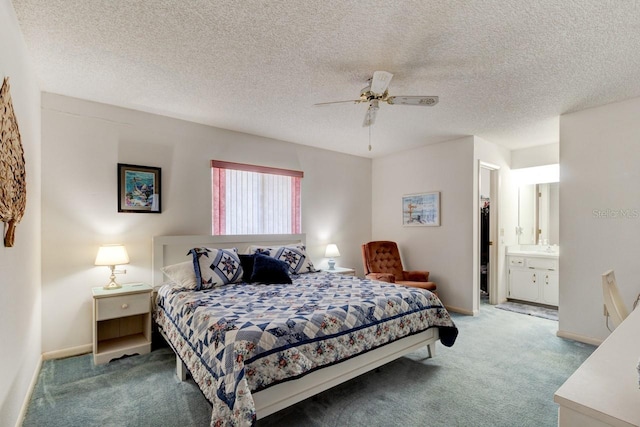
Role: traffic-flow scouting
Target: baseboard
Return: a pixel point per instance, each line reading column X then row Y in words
column 58, row 354
column 460, row 310
column 27, row 399
column 579, row 338
column 67, row 352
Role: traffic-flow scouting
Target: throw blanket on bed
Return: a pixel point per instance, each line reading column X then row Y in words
column 245, row 337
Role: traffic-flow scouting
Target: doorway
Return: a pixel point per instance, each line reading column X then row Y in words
column 487, row 234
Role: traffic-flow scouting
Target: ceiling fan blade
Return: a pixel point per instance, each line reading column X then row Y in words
column 380, row 82
column 353, row 101
column 425, row 101
column 370, row 117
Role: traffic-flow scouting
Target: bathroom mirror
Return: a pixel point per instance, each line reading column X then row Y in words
column 538, row 214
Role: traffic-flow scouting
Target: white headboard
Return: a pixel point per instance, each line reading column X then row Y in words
column 169, row 250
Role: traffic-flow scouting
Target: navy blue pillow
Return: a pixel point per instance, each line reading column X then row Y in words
column 247, row 267
column 269, row 270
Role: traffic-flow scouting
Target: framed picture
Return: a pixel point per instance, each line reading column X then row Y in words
column 138, row 189
column 421, row 209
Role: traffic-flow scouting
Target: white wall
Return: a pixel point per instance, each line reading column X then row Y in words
column 445, row 251
column 554, row 213
column 84, row 141
column 450, row 252
column 485, row 183
column 599, row 178
column 20, row 265
column 547, row 154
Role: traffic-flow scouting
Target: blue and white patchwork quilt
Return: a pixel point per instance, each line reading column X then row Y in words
column 244, row 337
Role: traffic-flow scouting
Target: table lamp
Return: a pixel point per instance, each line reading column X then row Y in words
column 332, row 252
column 112, row 255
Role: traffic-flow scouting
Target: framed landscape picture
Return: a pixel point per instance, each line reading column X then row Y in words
column 421, row 209
column 138, row 188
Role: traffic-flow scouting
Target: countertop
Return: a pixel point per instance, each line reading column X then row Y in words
column 538, row 254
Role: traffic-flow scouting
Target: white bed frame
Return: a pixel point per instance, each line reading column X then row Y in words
column 169, row 250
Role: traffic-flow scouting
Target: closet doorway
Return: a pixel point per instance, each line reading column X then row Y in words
column 487, row 233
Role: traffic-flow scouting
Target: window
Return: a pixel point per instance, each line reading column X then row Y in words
column 250, row 199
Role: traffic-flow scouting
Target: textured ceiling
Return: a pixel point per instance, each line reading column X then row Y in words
column 504, row 70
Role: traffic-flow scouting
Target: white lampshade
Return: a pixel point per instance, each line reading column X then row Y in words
column 112, row 255
column 332, row 251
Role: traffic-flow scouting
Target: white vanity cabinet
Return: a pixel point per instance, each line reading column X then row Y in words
column 533, row 278
column 550, row 288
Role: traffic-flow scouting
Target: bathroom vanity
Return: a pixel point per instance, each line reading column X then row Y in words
column 533, row 273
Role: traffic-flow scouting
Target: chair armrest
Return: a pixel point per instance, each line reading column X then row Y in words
column 416, row 275
column 383, row 277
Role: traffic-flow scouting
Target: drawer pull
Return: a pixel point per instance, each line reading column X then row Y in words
column 125, row 306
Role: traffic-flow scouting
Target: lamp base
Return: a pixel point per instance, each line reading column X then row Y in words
column 111, row 286
column 112, row 281
column 332, row 264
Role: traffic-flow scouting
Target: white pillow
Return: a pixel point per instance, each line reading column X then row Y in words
column 181, row 274
column 294, row 255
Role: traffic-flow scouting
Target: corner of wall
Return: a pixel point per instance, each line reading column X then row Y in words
column 27, row 399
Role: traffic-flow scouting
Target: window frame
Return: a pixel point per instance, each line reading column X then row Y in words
column 218, row 199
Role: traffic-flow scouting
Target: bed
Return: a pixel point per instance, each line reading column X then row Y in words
column 254, row 348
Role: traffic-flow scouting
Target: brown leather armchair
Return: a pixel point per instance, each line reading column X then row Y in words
column 382, row 262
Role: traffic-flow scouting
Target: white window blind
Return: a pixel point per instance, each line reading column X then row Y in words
column 249, row 199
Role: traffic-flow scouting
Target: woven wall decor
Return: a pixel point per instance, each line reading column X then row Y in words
column 13, row 189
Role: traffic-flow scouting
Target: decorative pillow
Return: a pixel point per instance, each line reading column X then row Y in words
column 294, row 255
column 182, row 275
column 247, row 266
column 216, row 267
column 269, row 270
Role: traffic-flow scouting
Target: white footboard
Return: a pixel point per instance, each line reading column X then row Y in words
column 285, row 394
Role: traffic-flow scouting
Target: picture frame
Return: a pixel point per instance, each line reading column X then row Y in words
column 421, row 209
column 139, row 189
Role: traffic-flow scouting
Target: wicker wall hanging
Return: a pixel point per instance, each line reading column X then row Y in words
column 13, row 189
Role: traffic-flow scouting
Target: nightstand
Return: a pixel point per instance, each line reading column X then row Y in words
column 121, row 322
column 342, row 270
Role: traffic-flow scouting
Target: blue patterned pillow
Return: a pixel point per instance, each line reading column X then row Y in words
column 216, row 267
column 294, row 255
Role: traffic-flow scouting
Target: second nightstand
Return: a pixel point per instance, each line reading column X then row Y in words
column 342, row 270
column 121, row 322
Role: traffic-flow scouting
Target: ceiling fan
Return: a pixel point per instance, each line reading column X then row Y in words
column 377, row 91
